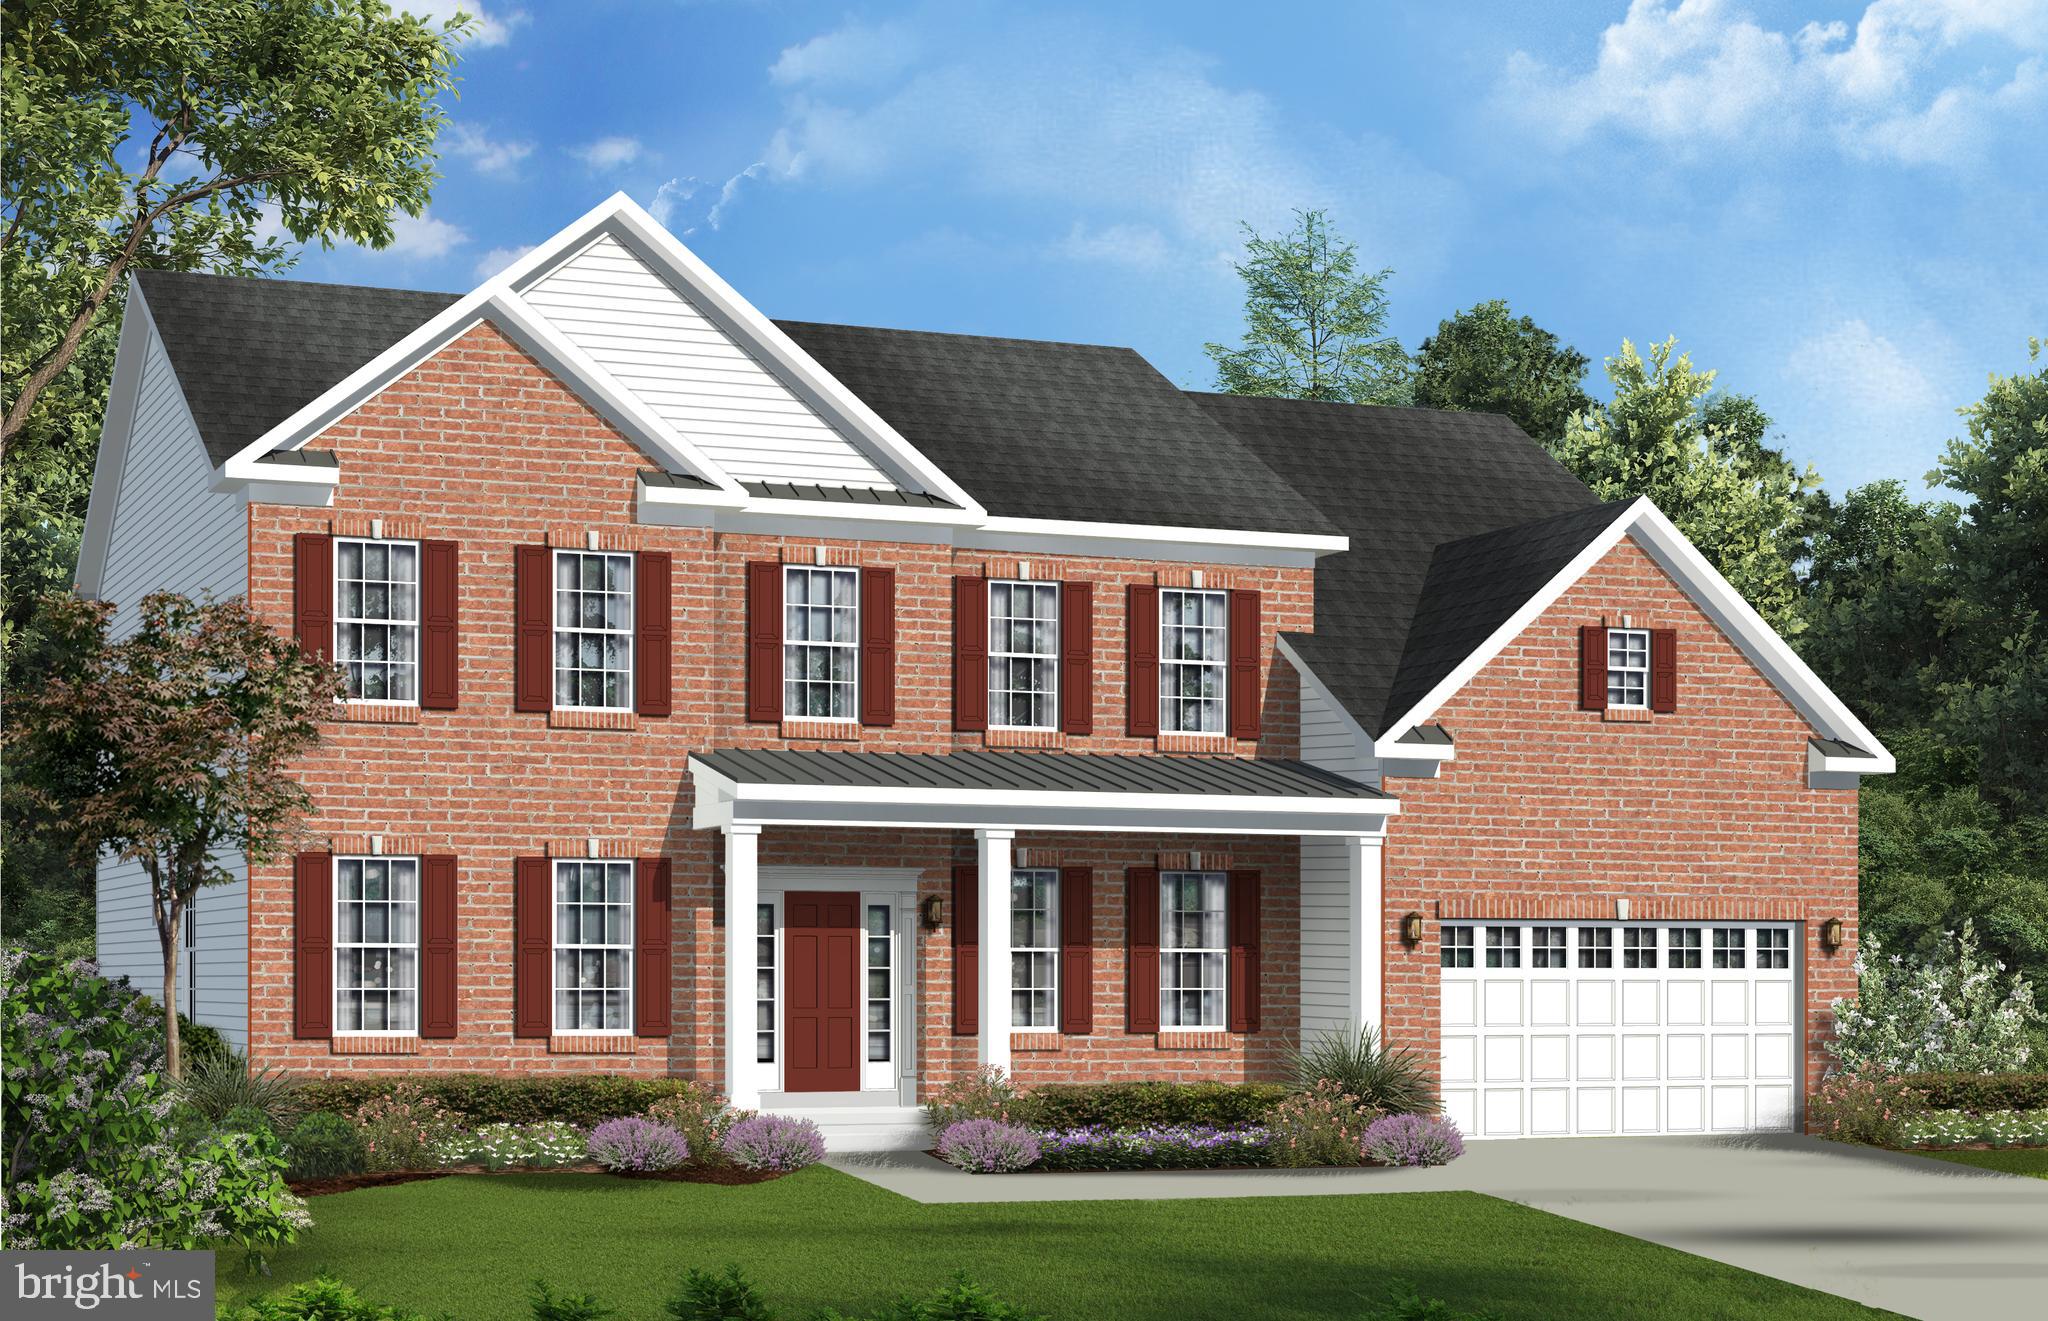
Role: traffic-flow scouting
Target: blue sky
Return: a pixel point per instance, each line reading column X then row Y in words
column 1840, row 207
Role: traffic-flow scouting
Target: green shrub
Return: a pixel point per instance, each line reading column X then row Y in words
column 324, row 1146
column 551, row 1306
column 1147, row 1104
column 728, row 1297
column 702, row 1118
column 221, row 1085
column 245, row 1119
column 1323, row 1125
column 200, row 1043
column 962, row 1300
column 1389, row 1079
column 984, row 1094
column 1867, row 1108
column 1404, row 1303
column 583, row 1099
column 404, row 1129
column 322, row 1299
column 1981, row 1091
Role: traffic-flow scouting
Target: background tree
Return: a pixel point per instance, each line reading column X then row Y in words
column 1705, row 463
column 171, row 747
column 1487, row 360
column 1315, row 328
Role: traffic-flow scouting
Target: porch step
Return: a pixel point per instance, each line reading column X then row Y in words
column 864, row 1128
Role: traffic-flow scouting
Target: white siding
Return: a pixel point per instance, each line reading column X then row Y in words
column 172, row 532
column 1328, row 741
column 695, row 376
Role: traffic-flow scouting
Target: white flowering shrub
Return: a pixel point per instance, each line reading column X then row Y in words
column 502, row 1146
column 1958, row 1128
column 1958, row 1014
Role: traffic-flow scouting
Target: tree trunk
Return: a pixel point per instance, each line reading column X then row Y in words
column 173, row 1061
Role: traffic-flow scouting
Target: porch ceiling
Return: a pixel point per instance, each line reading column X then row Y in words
column 1032, row 790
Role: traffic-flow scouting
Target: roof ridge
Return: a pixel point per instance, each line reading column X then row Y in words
column 786, row 322
column 223, row 278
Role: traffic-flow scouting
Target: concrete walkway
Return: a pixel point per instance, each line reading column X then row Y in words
column 1923, row 1237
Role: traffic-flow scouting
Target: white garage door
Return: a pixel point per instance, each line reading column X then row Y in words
column 1560, row 1029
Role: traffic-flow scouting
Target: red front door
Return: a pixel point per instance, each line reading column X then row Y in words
column 821, row 985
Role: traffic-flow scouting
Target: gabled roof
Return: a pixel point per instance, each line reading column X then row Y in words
column 1400, row 482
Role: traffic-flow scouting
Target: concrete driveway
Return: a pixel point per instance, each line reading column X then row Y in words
column 1913, row 1235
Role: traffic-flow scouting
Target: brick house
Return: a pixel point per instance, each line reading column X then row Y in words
column 1019, row 708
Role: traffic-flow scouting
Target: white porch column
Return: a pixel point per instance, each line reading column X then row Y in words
column 992, row 865
column 742, row 895
column 1366, row 930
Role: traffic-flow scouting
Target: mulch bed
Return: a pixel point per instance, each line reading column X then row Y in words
column 728, row 1175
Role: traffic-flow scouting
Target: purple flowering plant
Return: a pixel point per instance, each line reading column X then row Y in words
column 635, row 1145
column 1156, row 1147
column 775, row 1142
column 988, row 1146
column 1412, row 1140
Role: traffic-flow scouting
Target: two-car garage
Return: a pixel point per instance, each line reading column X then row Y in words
column 1557, row 1028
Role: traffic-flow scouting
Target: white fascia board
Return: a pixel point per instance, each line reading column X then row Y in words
column 117, row 423
column 1820, row 763
column 1146, row 532
column 1391, row 748
column 1328, row 698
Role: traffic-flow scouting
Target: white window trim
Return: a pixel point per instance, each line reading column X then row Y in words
column 630, row 632
column 1052, row 658
column 1613, row 669
column 418, row 610
column 629, row 948
column 1223, row 951
column 853, row 648
column 338, row 944
column 1221, row 666
column 1052, row 926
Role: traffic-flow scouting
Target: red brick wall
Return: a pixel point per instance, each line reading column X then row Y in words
column 483, row 447
column 1551, row 811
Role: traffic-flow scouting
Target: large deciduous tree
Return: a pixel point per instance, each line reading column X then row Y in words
column 1315, row 327
column 172, row 747
column 1488, row 360
column 1705, row 462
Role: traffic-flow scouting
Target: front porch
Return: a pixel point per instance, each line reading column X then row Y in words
column 1059, row 917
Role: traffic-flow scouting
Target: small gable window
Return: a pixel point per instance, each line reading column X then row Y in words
column 1628, row 667
column 377, row 619
column 594, row 630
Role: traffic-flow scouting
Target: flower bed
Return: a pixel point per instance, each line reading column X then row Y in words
column 1164, row 1147
column 1992, row 1128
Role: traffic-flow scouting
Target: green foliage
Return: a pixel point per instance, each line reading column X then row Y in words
column 222, row 1084
column 1954, row 1013
column 1705, row 464
column 1405, row 1303
column 202, row 1042
column 1314, row 327
column 1320, row 1125
column 1981, row 1091
column 962, row 1300
column 984, row 1094
column 404, row 1128
column 1871, row 591
column 583, row 1099
column 728, row 1297
column 322, row 1299
column 1388, row 1079
column 551, row 1306
column 1486, row 360
column 702, row 1117
column 1867, row 1107
column 1145, row 1104
column 324, row 1146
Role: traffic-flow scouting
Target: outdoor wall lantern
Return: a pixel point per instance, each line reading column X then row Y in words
column 1831, row 934
column 1411, row 928
column 934, row 912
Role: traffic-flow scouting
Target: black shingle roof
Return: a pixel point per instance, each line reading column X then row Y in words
column 1079, row 772
column 1401, row 482
column 250, row 353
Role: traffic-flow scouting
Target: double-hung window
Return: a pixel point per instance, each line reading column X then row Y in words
column 1193, row 654
column 1023, row 654
column 376, row 944
column 1628, row 667
column 1034, row 948
column 1192, row 954
column 377, row 618
column 593, row 945
column 594, row 629
column 820, row 643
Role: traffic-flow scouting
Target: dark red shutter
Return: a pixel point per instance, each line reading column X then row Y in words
column 1077, row 950
column 313, row 945
column 653, row 626
column 970, row 654
column 1663, row 669
column 533, row 939
column 533, row 634
column 1141, row 949
column 1141, row 680
column 437, row 946
column 440, row 617
column 1593, row 668
column 878, row 646
column 313, row 594
column 651, row 934
column 1077, row 658
column 966, row 952
column 764, row 641
column 1246, row 651
column 1244, row 951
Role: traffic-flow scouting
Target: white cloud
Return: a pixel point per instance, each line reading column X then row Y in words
column 853, row 56
column 417, row 238
column 1858, row 372
column 1918, row 81
column 497, row 259
column 670, row 196
column 489, row 155
column 487, row 30
column 608, row 153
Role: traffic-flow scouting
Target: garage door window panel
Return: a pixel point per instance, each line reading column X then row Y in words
column 1638, row 947
column 1457, row 947
column 1596, row 947
column 1503, row 947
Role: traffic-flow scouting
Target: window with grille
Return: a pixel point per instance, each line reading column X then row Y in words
column 1638, row 947
column 1034, row 948
column 1773, row 948
column 881, row 960
column 1193, row 652
column 593, row 946
column 1730, row 947
column 1628, row 667
column 377, row 619
column 594, row 630
column 764, row 983
column 1684, row 946
column 376, row 944
column 1457, row 947
column 1192, row 952
column 820, row 643
column 1596, row 947
column 1503, row 947
column 1023, row 654
column 1547, row 947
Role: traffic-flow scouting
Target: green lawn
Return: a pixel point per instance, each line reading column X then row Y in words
column 470, row 1245
column 2012, row 1160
